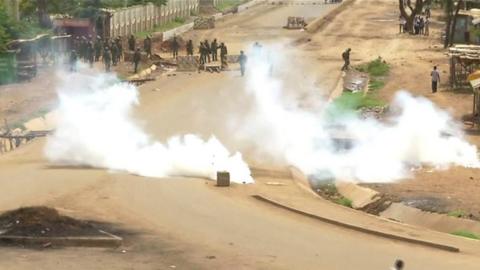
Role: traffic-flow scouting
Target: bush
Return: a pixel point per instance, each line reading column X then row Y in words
column 344, row 201
column 375, row 68
column 456, row 213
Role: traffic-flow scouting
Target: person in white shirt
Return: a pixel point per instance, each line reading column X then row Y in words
column 435, row 79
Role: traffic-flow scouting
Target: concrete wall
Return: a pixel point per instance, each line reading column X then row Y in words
column 136, row 19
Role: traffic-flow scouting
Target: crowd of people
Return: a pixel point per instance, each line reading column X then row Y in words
column 110, row 51
column 420, row 24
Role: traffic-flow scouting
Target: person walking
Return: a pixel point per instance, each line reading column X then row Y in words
column 115, row 53
column 243, row 62
column 119, row 43
column 346, row 59
column 427, row 27
column 435, row 79
column 136, row 59
column 98, row 48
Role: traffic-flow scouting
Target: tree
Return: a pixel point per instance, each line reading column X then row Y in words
column 451, row 23
column 413, row 11
column 9, row 29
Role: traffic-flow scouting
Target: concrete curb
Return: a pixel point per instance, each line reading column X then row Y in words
column 109, row 240
column 357, row 228
column 322, row 21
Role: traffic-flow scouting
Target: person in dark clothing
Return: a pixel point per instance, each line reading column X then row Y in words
column 90, row 53
column 214, row 48
column 207, row 49
column 114, row 50
column 83, row 48
column 189, row 47
column 398, row 265
column 118, row 42
column 203, row 57
column 346, row 59
column 131, row 43
column 435, row 79
column 147, row 46
column 242, row 59
column 73, row 60
column 223, row 54
column 175, row 47
column 98, row 48
column 136, row 59
column 107, row 58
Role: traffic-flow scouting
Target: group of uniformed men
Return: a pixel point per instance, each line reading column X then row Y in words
column 208, row 51
column 110, row 51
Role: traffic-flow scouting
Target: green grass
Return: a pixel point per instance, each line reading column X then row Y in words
column 466, row 234
column 375, row 84
column 344, row 201
column 349, row 101
column 456, row 213
column 228, row 4
column 375, row 68
column 162, row 28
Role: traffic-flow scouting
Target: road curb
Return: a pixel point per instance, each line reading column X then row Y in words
column 322, row 21
column 109, row 240
column 358, row 228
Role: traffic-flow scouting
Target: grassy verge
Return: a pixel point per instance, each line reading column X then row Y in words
column 456, row 213
column 466, row 234
column 328, row 190
column 350, row 102
column 228, row 4
column 344, row 201
column 162, row 28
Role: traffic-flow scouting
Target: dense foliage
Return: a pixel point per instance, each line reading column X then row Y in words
column 9, row 29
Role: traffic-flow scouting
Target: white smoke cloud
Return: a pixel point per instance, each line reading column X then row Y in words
column 95, row 129
column 418, row 134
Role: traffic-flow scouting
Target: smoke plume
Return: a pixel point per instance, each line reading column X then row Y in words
column 95, row 129
column 416, row 134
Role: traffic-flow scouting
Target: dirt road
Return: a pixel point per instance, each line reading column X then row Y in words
column 187, row 223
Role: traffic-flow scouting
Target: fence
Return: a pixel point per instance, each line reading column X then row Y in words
column 136, row 19
column 127, row 21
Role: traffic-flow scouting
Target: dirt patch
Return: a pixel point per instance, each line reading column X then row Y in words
column 43, row 222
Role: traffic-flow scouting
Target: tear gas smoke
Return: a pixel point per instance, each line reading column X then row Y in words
column 95, row 129
column 418, row 133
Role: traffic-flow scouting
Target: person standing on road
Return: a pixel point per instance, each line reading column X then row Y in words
column 136, row 59
column 427, row 27
column 346, row 59
column 399, row 264
column 214, row 49
column 131, row 43
column 90, row 53
column 98, row 48
column 207, row 50
column 189, row 47
column 435, row 79
column 175, row 47
column 223, row 54
column 243, row 61
column 107, row 59
column 147, row 46
column 73, row 61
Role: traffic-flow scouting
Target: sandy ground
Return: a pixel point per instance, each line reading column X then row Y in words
column 189, row 224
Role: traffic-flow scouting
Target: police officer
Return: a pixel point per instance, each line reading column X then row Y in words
column 207, row 49
column 90, row 53
column 73, row 60
column 131, row 43
column 214, row 48
column 175, row 47
column 114, row 49
column 147, row 46
column 107, row 58
column 136, row 59
column 98, row 48
column 346, row 59
column 189, row 47
column 223, row 54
